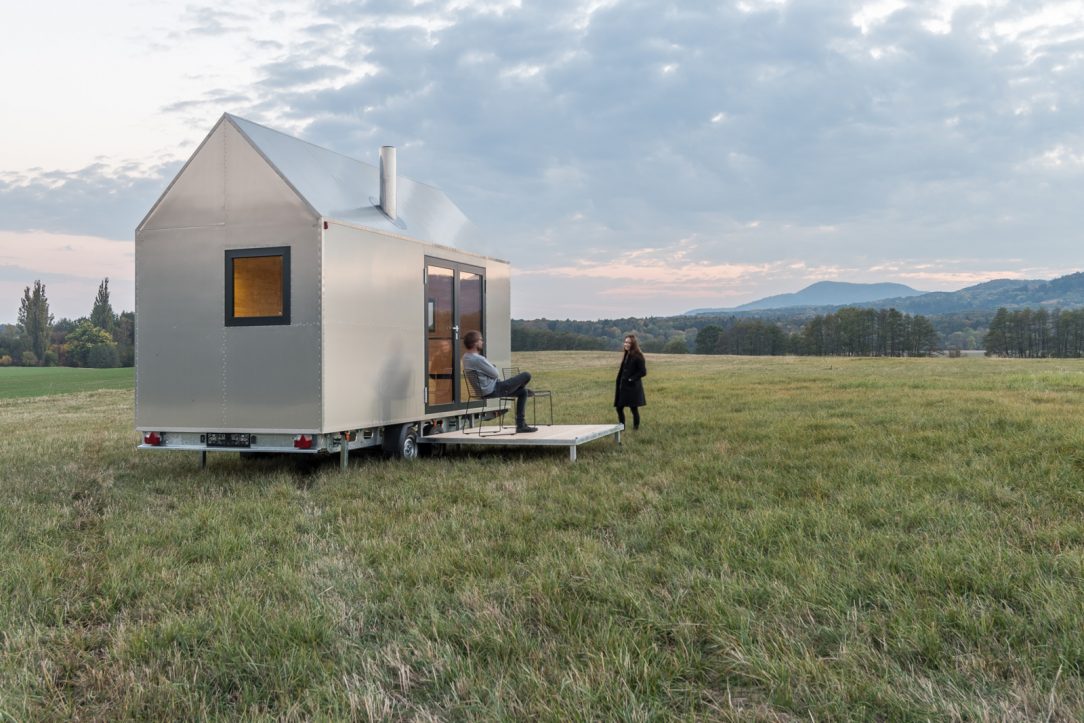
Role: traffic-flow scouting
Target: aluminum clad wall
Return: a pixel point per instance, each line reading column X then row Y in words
column 197, row 196
column 498, row 313
column 374, row 361
column 193, row 372
column 374, row 325
column 179, row 330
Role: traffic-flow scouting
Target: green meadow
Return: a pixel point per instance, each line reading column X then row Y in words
column 51, row 381
column 785, row 539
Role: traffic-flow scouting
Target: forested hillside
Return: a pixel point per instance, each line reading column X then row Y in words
column 848, row 331
column 823, row 293
column 1064, row 292
column 959, row 320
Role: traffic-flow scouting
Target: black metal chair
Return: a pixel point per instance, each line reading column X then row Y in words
column 474, row 393
column 536, row 394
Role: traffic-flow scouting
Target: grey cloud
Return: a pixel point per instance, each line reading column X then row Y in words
column 352, row 9
column 207, row 20
column 27, row 276
column 216, row 98
column 268, row 45
column 94, row 201
column 290, row 74
column 527, row 121
column 321, row 30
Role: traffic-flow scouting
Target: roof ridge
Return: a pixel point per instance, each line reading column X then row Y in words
column 236, row 118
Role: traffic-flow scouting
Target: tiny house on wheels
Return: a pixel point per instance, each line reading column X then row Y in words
column 291, row 299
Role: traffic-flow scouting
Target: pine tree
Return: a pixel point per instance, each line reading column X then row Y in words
column 102, row 313
column 997, row 337
column 35, row 320
column 707, row 338
column 923, row 336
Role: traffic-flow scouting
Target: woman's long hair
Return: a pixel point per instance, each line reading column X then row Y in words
column 634, row 346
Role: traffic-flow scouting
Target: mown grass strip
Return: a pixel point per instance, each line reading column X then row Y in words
column 20, row 382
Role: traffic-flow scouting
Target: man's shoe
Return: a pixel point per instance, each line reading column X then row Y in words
column 524, row 429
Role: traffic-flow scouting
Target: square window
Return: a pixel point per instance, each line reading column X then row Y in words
column 258, row 286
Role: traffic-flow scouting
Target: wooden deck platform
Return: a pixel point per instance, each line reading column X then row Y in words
column 557, row 435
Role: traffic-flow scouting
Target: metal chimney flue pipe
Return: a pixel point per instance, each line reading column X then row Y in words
column 387, row 181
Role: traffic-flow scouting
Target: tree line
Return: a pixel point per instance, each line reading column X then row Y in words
column 104, row 339
column 868, row 332
column 1037, row 333
column 846, row 332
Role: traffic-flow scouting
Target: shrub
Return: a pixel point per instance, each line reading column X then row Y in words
column 89, row 346
column 102, row 356
column 676, row 345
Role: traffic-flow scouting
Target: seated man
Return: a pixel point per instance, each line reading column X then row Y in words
column 489, row 379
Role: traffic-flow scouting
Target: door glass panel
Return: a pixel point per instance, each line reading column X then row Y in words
column 470, row 310
column 440, row 346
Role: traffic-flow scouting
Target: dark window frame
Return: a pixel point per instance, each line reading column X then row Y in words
column 284, row 318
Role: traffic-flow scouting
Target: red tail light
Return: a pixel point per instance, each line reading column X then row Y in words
column 303, row 441
column 152, row 438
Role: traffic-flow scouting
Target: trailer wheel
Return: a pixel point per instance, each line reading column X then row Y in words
column 401, row 442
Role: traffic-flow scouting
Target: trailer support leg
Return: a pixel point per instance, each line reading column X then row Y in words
column 572, row 453
column 203, row 459
column 344, row 454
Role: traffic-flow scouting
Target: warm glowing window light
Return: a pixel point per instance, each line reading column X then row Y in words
column 257, row 287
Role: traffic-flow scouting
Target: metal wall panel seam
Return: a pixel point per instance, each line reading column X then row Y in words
column 226, row 243
column 320, row 321
column 135, row 324
column 225, row 386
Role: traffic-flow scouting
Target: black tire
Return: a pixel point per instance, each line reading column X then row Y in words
column 401, row 442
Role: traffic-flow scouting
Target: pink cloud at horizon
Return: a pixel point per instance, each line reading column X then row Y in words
column 71, row 266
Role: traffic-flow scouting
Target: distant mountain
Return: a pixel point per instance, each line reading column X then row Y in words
column 1061, row 293
column 824, row 293
column 1064, row 292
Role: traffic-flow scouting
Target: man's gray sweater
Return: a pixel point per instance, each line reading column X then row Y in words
column 487, row 373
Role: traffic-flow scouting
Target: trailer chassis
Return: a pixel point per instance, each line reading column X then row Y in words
column 398, row 441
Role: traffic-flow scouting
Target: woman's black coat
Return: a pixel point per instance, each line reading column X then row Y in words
column 630, row 390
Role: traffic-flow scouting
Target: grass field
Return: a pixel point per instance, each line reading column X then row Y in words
column 785, row 539
column 46, row 381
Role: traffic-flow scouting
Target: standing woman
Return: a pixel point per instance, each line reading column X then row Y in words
column 630, row 390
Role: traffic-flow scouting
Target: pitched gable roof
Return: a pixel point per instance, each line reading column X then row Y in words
column 345, row 189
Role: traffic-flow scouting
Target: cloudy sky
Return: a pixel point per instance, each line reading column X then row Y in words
column 629, row 157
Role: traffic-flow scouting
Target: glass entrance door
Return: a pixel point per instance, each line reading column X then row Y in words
column 454, row 305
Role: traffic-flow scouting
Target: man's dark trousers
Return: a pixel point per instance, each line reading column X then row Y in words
column 515, row 387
